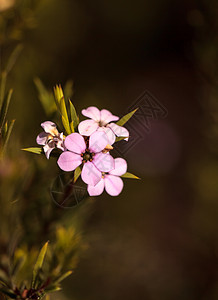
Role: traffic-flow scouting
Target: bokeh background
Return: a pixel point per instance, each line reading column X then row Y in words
column 158, row 239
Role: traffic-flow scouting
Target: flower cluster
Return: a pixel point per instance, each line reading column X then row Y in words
column 85, row 147
column 90, row 149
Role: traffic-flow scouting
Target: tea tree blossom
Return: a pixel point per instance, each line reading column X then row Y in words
column 86, row 145
column 111, row 181
column 101, row 121
column 50, row 138
column 89, row 153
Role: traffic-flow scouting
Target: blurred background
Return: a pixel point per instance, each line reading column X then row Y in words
column 158, row 239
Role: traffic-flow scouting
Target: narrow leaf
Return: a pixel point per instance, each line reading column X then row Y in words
column 68, row 89
column 129, row 175
column 65, row 119
column 46, row 97
column 8, row 134
column 120, row 138
column 35, row 150
column 2, row 87
column 18, row 265
column 4, row 130
column 58, row 94
column 39, row 263
column 53, row 288
column 74, row 117
column 126, row 118
column 66, row 125
column 4, row 109
column 77, row 173
column 13, row 58
column 62, row 277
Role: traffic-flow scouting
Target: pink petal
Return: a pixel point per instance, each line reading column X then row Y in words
column 113, row 185
column 106, row 117
column 42, row 138
column 75, row 143
column 97, row 189
column 87, row 127
column 98, row 141
column 47, row 149
column 104, row 162
column 92, row 112
column 90, row 174
column 69, row 161
column 119, row 130
column 120, row 167
column 50, row 127
column 110, row 134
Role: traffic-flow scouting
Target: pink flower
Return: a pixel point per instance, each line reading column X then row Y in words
column 94, row 161
column 100, row 121
column 111, row 181
column 50, row 138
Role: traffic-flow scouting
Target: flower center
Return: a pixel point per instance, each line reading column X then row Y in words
column 101, row 124
column 87, row 156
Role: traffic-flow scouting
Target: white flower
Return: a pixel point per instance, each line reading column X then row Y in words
column 50, row 138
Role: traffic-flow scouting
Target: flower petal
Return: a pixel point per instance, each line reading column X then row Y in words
column 69, row 161
column 120, row 167
column 106, row 117
column 104, row 162
column 42, row 138
column 97, row 189
column 75, row 142
column 90, row 174
column 47, row 149
column 92, row 112
column 119, row 130
column 87, row 127
column 110, row 134
column 60, row 142
column 98, row 141
column 50, row 127
column 113, row 185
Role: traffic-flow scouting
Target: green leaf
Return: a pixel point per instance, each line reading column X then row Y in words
column 4, row 108
column 13, row 58
column 61, row 105
column 74, row 117
column 9, row 66
column 4, row 130
column 2, row 87
column 7, row 136
column 64, row 115
column 68, row 89
column 129, row 175
column 38, row 264
column 18, row 265
column 46, row 97
column 120, row 138
column 35, row 150
column 62, row 277
column 66, row 125
column 77, row 173
column 126, row 118
column 58, row 94
column 52, row 288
